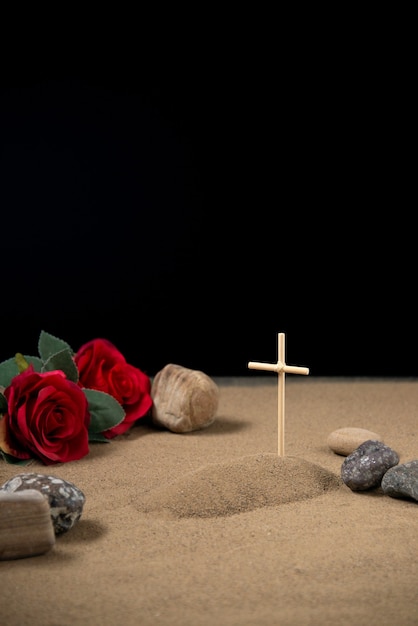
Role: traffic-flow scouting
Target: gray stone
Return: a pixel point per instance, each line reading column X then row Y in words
column 402, row 481
column 66, row 501
column 365, row 467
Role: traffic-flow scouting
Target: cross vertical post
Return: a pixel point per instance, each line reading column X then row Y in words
column 280, row 395
column 281, row 369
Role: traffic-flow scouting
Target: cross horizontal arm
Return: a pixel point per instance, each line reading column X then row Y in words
column 268, row 367
column 295, row 369
column 278, row 367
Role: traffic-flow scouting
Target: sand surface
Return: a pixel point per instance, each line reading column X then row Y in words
column 213, row 528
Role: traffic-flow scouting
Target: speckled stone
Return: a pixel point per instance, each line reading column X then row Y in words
column 365, row 467
column 402, row 481
column 345, row 440
column 66, row 501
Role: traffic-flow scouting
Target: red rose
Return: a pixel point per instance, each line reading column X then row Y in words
column 102, row 367
column 47, row 417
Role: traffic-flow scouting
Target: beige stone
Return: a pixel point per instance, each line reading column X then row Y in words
column 26, row 527
column 183, row 399
column 345, row 440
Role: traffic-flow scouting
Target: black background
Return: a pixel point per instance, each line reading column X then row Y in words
column 189, row 201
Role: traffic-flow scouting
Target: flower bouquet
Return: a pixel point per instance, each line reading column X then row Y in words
column 53, row 405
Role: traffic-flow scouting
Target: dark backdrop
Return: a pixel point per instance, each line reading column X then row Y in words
column 190, row 211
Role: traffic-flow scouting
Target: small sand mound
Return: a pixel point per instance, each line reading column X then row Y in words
column 241, row 485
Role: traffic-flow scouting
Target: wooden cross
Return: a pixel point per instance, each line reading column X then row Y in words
column 281, row 368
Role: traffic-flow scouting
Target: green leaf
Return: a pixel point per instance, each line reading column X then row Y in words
column 9, row 369
column 48, row 345
column 105, row 411
column 98, row 438
column 3, row 404
column 13, row 460
column 62, row 361
column 22, row 364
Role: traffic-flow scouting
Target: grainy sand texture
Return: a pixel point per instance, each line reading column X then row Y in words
column 213, row 528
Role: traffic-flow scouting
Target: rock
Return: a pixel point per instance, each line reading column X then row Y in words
column 402, row 481
column 365, row 467
column 183, row 399
column 66, row 501
column 26, row 527
column 345, row 440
